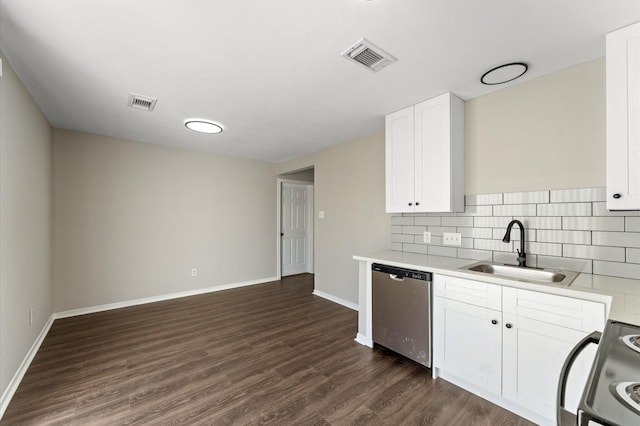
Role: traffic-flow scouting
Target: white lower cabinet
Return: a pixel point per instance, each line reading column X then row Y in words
column 512, row 354
column 468, row 344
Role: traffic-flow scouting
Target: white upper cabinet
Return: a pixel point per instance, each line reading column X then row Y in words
column 623, row 119
column 425, row 157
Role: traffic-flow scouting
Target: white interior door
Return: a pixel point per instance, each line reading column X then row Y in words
column 295, row 228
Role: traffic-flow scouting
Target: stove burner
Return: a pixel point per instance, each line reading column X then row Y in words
column 632, row 341
column 629, row 393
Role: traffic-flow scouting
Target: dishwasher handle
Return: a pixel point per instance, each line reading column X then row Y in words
column 396, row 278
column 564, row 372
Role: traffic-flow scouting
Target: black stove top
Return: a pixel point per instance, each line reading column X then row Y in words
column 612, row 395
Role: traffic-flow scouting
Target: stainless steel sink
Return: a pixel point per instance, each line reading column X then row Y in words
column 527, row 274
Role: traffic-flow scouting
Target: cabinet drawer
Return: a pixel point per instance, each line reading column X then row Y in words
column 568, row 312
column 468, row 291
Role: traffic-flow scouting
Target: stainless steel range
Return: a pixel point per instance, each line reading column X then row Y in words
column 612, row 393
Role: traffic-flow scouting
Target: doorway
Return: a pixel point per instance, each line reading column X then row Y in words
column 295, row 224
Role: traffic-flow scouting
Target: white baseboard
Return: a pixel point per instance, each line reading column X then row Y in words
column 337, row 300
column 364, row 340
column 22, row 369
column 160, row 298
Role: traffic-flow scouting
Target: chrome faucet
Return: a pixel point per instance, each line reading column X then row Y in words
column 522, row 256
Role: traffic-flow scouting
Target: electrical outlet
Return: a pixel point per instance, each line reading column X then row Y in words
column 426, row 237
column 30, row 316
column 194, row 272
column 452, row 239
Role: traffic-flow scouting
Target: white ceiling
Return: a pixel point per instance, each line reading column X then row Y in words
column 270, row 71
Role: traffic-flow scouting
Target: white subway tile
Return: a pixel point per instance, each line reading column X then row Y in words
column 614, row 254
column 402, row 238
column 514, row 210
column 401, row 220
column 633, row 255
column 441, row 214
column 632, row 224
column 593, row 223
column 428, row 221
column 542, row 222
column 442, row 251
column 617, row 239
column 483, row 199
column 615, row 269
column 526, row 197
column 600, row 209
column 415, row 248
column 491, row 222
column 466, row 243
column 440, row 230
column 576, row 265
column 396, row 246
column 498, row 234
column 413, row 229
column 576, row 195
column 396, row 229
column 567, row 237
column 436, row 240
column 564, row 209
column 477, row 211
column 419, row 239
column 476, row 233
column 475, row 254
column 457, row 221
column 495, row 245
column 548, row 249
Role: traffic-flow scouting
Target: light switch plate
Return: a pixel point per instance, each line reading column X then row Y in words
column 452, row 239
column 321, row 214
column 426, row 237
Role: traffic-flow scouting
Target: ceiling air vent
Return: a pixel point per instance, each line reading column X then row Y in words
column 142, row 102
column 369, row 55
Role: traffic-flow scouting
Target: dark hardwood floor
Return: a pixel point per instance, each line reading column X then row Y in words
column 266, row 354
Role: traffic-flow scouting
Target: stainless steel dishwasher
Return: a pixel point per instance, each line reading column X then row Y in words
column 401, row 311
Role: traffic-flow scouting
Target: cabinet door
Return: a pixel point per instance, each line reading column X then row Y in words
column 439, row 154
column 533, row 354
column 623, row 118
column 399, row 154
column 467, row 344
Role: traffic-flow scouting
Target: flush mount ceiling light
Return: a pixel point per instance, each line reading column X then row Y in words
column 504, row 73
column 203, row 126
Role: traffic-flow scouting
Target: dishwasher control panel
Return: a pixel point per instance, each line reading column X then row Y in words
column 402, row 273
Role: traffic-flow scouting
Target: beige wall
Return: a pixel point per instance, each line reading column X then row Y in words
column 548, row 133
column 25, row 222
column 349, row 188
column 132, row 219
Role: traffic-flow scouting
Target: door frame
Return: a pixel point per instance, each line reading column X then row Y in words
column 311, row 216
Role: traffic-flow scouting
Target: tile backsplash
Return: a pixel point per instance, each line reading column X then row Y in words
column 568, row 229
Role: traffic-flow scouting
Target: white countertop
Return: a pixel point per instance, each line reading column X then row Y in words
column 621, row 294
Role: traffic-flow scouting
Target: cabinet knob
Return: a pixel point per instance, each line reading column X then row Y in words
column 410, row 204
column 417, row 203
column 494, row 322
column 508, row 325
column 616, row 196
